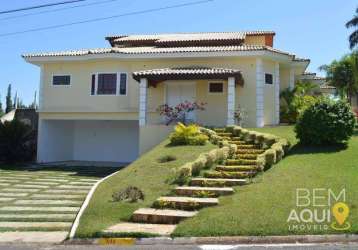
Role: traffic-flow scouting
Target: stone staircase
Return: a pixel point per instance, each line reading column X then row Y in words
column 204, row 190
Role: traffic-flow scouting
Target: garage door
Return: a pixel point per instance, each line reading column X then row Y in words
column 107, row 141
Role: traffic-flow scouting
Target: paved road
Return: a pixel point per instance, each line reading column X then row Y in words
column 190, row 247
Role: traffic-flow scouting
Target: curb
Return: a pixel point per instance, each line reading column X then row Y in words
column 85, row 204
column 294, row 239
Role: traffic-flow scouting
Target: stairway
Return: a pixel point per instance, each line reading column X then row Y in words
column 204, row 190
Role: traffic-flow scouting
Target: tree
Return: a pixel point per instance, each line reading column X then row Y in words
column 353, row 23
column 343, row 74
column 9, row 105
column 1, row 109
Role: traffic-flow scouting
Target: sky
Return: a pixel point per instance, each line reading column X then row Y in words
column 312, row 29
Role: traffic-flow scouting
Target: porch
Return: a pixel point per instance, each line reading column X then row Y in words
column 216, row 87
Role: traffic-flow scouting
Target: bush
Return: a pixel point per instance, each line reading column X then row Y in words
column 17, row 142
column 166, row 158
column 129, row 194
column 187, row 135
column 326, row 122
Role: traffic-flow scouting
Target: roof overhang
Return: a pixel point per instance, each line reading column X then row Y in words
column 155, row 76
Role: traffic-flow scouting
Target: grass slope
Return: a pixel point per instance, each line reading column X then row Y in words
column 147, row 174
column 263, row 207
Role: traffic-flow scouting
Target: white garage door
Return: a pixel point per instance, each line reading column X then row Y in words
column 104, row 141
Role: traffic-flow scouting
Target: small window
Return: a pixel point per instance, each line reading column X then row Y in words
column 268, row 79
column 216, row 87
column 61, row 80
column 123, row 84
column 107, row 84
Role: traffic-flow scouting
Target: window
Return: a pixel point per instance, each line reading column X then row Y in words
column 61, row 80
column 216, row 87
column 109, row 84
column 268, row 78
column 123, row 84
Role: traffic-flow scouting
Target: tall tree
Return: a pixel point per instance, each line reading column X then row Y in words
column 353, row 23
column 9, row 104
column 1, row 109
column 343, row 74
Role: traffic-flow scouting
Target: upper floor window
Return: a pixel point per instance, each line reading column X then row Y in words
column 61, row 80
column 216, row 87
column 109, row 84
column 268, row 78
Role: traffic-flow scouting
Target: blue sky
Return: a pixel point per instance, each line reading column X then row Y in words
column 313, row 29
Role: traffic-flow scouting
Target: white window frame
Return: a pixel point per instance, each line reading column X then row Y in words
column 216, row 93
column 117, row 84
column 273, row 79
column 59, row 86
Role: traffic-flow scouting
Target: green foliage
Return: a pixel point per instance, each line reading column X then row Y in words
column 167, row 158
column 130, row 194
column 204, row 194
column 326, row 122
column 343, row 74
column 17, row 142
column 188, row 206
column 9, row 104
column 187, row 135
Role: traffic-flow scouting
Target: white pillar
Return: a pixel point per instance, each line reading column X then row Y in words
column 260, row 78
column 41, row 88
column 277, row 93
column 291, row 83
column 230, row 101
column 143, row 101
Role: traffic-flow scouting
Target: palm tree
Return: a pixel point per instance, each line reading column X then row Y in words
column 353, row 23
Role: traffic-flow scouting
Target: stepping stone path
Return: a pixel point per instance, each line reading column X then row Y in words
column 36, row 200
column 201, row 192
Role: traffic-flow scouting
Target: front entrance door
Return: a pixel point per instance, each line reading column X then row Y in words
column 179, row 92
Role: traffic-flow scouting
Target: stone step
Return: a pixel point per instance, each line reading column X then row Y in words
column 64, row 191
column 237, row 168
column 224, row 134
column 18, row 225
column 29, row 186
column 6, row 199
column 218, row 182
column 228, row 175
column 248, row 146
column 250, row 151
column 161, row 216
column 219, row 130
column 198, row 191
column 13, row 194
column 239, row 143
column 73, row 187
column 20, row 190
column 57, row 196
column 235, row 138
column 234, row 162
column 127, row 228
column 184, row 203
column 247, row 156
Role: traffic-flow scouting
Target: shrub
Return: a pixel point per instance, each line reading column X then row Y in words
column 129, row 194
column 182, row 175
column 187, row 135
column 166, row 158
column 17, row 142
column 326, row 122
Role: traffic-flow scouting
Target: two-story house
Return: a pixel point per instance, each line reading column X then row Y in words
column 101, row 104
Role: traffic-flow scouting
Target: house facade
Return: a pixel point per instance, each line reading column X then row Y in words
column 102, row 104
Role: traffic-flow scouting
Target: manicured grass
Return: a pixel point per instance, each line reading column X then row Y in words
column 262, row 208
column 148, row 174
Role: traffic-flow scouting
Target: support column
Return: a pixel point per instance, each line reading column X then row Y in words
column 291, row 83
column 230, row 101
column 259, row 93
column 277, row 93
column 143, row 86
column 41, row 88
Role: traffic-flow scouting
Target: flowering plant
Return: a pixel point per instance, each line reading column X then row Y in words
column 240, row 115
column 179, row 112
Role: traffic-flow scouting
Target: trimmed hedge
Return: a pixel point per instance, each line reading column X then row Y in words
column 275, row 147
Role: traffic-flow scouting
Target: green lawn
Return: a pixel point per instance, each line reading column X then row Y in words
column 263, row 207
column 147, row 174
